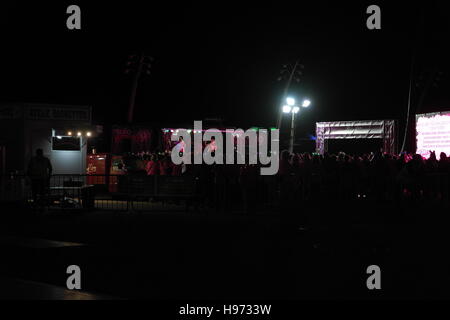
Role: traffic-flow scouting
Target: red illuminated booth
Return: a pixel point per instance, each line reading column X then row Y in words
column 138, row 140
column 98, row 168
column 129, row 139
column 370, row 129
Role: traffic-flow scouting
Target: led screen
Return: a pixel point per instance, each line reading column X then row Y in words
column 433, row 133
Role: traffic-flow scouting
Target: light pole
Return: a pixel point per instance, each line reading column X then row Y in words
column 138, row 63
column 293, row 109
column 292, row 73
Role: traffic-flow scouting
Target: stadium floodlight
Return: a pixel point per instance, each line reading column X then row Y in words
column 290, row 101
column 287, row 109
column 292, row 108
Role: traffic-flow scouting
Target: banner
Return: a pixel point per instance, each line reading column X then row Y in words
column 133, row 140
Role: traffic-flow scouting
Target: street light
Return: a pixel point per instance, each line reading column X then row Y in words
column 293, row 109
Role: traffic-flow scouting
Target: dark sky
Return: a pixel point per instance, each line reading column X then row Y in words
column 223, row 59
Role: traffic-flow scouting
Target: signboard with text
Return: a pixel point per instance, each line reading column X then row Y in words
column 10, row 112
column 58, row 113
column 45, row 112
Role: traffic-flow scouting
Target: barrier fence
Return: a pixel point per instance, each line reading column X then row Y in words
column 139, row 192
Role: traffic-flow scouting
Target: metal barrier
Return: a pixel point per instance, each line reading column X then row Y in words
column 14, row 189
column 102, row 192
column 139, row 192
column 292, row 191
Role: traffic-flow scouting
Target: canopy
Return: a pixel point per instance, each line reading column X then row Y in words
column 367, row 129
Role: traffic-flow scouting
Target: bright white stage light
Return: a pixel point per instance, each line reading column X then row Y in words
column 290, row 101
column 306, row 103
column 287, row 109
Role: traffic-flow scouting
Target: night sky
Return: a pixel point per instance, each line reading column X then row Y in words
column 223, row 59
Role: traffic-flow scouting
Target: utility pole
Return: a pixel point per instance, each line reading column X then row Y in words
column 139, row 64
column 293, row 73
column 429, row 78
column 291, row 140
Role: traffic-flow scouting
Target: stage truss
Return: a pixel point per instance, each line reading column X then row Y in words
column 371, row 129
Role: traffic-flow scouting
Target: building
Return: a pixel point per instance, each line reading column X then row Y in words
column 61, row 131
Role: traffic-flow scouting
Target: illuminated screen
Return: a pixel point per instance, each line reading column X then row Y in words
column 433, row 133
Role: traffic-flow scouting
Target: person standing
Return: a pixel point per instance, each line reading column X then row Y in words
column 39, row 171
column 152, row 167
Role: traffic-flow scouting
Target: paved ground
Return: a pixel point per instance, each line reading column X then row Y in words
column 210, row 255
column 18, row 289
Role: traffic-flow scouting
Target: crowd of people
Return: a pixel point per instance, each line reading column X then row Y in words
column 310, row 176
column 377, row 174
column 301, row 177
column 152, row 164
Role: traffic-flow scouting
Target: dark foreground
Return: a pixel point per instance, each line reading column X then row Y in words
column 322, row 252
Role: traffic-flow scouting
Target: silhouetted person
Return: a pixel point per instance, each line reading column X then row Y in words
column 152, row 166
column 444, row 163
column 39, row 170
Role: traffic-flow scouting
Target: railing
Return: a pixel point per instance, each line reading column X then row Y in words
column 107, row 192
column 292, row 192
column 139, row 192
column 13, row 189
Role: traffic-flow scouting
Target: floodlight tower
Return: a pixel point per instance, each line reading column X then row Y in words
column 292, row 73
column 138, row 64
column 293, row 109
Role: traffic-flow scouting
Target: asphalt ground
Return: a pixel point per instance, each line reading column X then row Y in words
column 320, row 251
